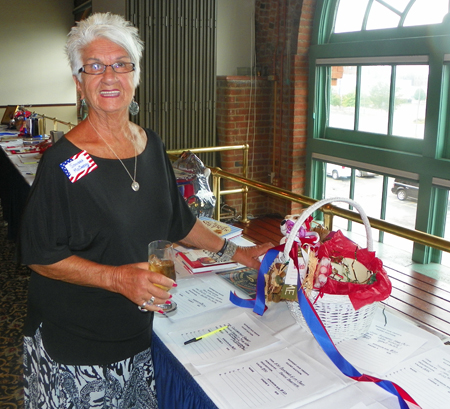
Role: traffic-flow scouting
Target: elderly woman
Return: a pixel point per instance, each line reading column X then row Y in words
column 101, row 194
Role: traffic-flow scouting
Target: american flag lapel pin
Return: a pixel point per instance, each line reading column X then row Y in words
column 78, row 166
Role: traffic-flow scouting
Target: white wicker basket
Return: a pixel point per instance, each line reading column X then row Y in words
column 338, row 316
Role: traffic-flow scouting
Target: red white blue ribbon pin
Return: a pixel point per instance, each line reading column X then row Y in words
column 78, row 166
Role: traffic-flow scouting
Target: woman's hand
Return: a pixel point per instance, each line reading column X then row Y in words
column 249, row 256
column 133, row 281
column 202, row 237
column 139, row 285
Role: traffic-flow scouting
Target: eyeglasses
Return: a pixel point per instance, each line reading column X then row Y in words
column 99, row 68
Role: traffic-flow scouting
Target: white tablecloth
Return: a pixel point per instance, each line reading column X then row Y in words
column 241, row 374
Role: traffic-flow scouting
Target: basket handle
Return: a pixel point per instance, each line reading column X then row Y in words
column 310, row 210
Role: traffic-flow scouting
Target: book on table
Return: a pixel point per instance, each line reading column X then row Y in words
column 227, row 231
column 198, row 261
column 244, row 278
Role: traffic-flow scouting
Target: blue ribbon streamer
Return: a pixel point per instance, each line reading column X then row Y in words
column 258, row 304
column 323, row 338
column 315, row 324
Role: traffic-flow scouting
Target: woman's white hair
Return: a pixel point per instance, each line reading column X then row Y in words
column 104, row 25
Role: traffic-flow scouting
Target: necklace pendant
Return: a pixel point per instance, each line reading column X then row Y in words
column 135, row 186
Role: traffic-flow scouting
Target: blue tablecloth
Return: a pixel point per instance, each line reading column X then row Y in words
column 175, row 386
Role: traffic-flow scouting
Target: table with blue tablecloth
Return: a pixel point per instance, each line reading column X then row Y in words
column 176, row 388
column 268, row 361
column 190, row 380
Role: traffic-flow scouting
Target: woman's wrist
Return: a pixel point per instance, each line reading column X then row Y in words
column 226, row 253
column 224, row 247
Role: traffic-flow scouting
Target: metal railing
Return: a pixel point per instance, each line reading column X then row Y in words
column 216, row 175
column 329, row 210
column 55, row 122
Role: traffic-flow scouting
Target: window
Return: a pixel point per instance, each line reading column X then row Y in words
column 375, row 87
column 404, row 117
column 422, row 13
column 357, row 15
column 343, row 93
column 397, row 203
column 380, row 103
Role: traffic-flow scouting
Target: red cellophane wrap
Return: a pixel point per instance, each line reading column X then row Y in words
column 360, row 294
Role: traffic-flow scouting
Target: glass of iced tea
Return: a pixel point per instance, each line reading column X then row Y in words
column 161, row 261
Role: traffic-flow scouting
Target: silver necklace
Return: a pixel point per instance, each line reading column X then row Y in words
column 134, row 184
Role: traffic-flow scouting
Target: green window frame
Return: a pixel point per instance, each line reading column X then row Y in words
column 427, row 159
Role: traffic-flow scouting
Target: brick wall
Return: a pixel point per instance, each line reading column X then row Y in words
column 243, row 117
column 283, row 37
column 277, row 136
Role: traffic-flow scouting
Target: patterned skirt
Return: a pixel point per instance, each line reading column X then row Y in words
column 50, row 385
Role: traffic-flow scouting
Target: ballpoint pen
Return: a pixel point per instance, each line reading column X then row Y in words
column 205, row 335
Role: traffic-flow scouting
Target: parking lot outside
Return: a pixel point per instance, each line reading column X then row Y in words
column 368, row 193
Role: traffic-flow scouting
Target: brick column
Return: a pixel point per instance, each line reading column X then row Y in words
column 243, row 116
column 283, row 37
column 299, row 98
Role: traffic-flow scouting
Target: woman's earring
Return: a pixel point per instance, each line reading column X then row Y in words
column 83, row 109
column 133, row 108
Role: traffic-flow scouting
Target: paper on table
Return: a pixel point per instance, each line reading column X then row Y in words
column 383, row 347
column 271, row 380
column 359, row 406
column 199, row 298
column 355, row 395
column 30, row 158
column 426, row 378
column 243, row 334
column 375, row 405
column 26, row 167
column 7, row 143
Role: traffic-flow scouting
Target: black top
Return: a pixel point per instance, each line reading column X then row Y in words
column 99, row 218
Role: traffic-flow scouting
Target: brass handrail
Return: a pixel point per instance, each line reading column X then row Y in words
column 216, row 177
column 329, row 211
column 70, row 125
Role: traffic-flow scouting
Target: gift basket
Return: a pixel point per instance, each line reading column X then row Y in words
column 343, row 281
column 332, row 287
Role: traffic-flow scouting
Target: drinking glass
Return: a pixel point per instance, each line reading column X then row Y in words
column 161, row 261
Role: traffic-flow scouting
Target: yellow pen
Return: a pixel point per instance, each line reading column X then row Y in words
column 205, row 335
